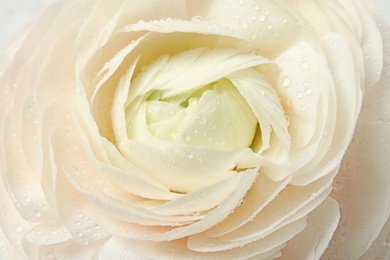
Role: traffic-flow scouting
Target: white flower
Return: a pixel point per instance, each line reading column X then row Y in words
column 197, row 130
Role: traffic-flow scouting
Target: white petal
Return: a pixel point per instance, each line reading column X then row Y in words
column 21, row 182
column 215, row 216
column 201, row 199
column 118, row 106
column 183, row 168
column 6, row 250
column 372, row 46
column 96, row 36
column 47, row 234
column 312, row 242
column 204, row 243
column 261, row 193
column 271, row 26
column 348, row 103
column 361, row 187
column 182, row 71
column 79, row 170
column 197, row 25
column 286, row 204
column 120, row 248
column 264, row 103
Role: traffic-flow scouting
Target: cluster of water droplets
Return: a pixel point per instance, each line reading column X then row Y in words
column 252, row 16
column 84, row 229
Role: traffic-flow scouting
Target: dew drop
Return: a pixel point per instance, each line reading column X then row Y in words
column 286, row 81
column 256, row 7
column 189, row 155
column 308, row 91
column 19, row 229
column 262, row 92
column 304, row 66
column 37, row 213
column 299, row 95
column 197, row 18
column 186, row 137
column 202, row 120
column 192, row 101
column 261, row 17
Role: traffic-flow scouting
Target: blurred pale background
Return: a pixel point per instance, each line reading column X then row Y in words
column 15, row 14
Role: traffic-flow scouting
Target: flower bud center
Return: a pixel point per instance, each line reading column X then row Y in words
column 216, row 116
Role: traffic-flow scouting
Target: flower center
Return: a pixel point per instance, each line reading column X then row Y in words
column 216, row 116
column 215, row 98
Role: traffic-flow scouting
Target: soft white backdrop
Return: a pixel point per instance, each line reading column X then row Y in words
column 15, row 14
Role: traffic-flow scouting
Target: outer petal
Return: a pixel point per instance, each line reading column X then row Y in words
column 362, row 186
column 312, row 242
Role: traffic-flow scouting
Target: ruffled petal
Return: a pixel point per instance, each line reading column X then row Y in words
column 312, row 242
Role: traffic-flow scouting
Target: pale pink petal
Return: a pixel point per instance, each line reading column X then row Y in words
column 361, row 187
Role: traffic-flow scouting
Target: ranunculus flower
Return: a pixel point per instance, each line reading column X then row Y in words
column 184, row 129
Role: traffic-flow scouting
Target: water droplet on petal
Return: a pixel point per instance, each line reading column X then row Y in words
column 286, row 81
column 189, row 155
column 19, row 229
column 308, row 91
column 202, row 120
column 192, row 101
column 304, row 66
column 261, row 17
column 198, row 18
